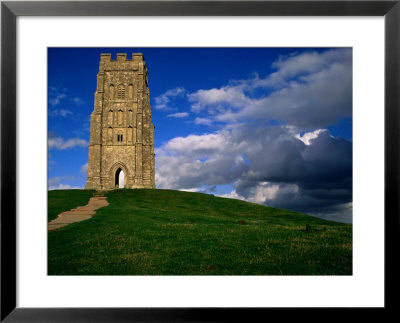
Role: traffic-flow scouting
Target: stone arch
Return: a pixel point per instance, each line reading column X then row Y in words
column 119, row 176
column 114, row 174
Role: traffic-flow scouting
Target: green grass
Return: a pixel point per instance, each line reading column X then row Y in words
column 64, row 200
column 165, row 232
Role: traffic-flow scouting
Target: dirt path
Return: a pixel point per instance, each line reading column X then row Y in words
column 79, row 214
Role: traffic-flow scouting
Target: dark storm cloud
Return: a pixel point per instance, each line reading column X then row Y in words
column 307, row 176
column 279, row 156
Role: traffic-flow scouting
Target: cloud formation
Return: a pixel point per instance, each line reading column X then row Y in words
column 273, row 145
column 55, row 142
column 178, row 115
column 55, row 183
column 64, row 187
column 60, row 112
column 203, row 121
column 57, row 96
column 163, row 101
column 84, row 169
column 77, row 100
column 267, row 164
column 308, row 91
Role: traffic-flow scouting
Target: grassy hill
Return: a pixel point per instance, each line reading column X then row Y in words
column 166, row 232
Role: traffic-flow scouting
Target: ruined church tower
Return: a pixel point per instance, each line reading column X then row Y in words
column 121, row 131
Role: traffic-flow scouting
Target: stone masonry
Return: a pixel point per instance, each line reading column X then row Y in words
column 121, row 131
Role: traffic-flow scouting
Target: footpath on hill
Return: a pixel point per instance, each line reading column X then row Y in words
column 80, row 213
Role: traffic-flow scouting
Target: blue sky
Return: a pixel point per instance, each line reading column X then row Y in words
column 267, row 125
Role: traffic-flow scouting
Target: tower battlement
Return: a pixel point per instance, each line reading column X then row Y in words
column 121, row 57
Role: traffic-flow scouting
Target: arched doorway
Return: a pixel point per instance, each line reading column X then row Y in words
column 119, row 178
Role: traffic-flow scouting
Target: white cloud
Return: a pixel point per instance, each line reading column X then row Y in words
column 55, row 183
column 84, row 169
column 232, row 195
column 178, row 115
column 56, row 99
column 193, row 189
column 187, row 162
column 196, row 144
column 60, row 112
column 306, row 63
column 203, row 121
column 309, row 136
column 262, row 193
column 77, row 101
column 232, row 95
column 62, row 144
column 57, row 95
column 163, row 101
column 63, row 187
column 265, row 192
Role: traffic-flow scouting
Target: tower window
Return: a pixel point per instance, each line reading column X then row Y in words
column 119, row 138
column 130, row 91
column 121, row 91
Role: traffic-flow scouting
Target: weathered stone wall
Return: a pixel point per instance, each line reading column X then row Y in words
column 121, row 130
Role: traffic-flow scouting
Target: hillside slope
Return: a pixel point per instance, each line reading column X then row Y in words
column 165, row 232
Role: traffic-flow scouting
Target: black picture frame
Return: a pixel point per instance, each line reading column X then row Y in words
column 10, row 10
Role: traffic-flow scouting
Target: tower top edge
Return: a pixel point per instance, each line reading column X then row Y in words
column 135, row 57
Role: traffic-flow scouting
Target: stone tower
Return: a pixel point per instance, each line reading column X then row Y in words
column 121, row 131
